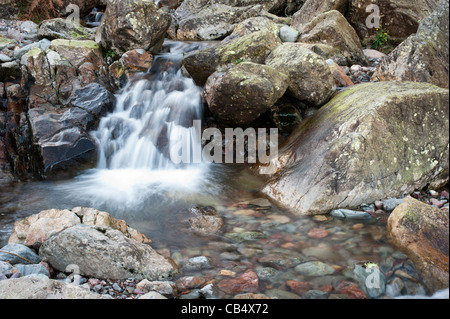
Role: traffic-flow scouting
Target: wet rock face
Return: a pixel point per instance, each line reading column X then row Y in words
column 253, row 89
column 399, row 17
column 129, row 25
column 422, row 57
column 422, row 231
column 333, row 160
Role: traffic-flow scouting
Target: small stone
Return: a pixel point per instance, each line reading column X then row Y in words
column 351, row 290
column 188, row 283
column 350, row 214
column 315, row 294
column 197, row 263
column 299, row 287
column 279, row 218
column 152, row 295
column 260, row 202
column 116, row 287
column 437, row 203
column 208, row 292
column 392, row 203
column 434, row 193
column 288, row 34
column 18, row 254
column 379, row 204
column 355, row 68
column 320, row 218
column 314, row 268
column 445, row 194
column 318, row 233
column 228, row 273
column 399, row 255
column 247, row 282
column 358, row 226
column 93, row 282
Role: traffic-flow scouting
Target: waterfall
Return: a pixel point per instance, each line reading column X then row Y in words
column 135, row 141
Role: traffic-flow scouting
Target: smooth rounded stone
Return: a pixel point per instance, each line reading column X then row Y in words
column 205, row 220
column 245, row 236
column 371, row 279
column 5, row 58
column 152, row 295
column 250, row 251
column 260, row 202
column 281, row 294
column 246, row 282
column 350, row 214
column 266, row 273
column 166, row 288
column 399, row 255
column 18, row 254
column 322, row 252
column 230, row 256
column 314, row 269
column 390, row 204
column 36, row 269
column 395, row 288
column 197, row 263
column 315, row 294
column 280, row 261
column 288, row 34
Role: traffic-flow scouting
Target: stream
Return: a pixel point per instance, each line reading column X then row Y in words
column 136, row 181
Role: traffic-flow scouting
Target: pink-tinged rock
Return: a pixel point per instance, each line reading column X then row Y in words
column 247, row 282
column 318, row 233
column 436, row 202
column 445, row 194
column 374, row 54
column 299, row 287
column 189, row 282
column 352, row 290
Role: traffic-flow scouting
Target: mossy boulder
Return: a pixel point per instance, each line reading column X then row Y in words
column 422, row 231
column 370, row 142
column 64, row 29
column 254, row 47
column 310, row 77
column 132, row 24
column 424, row 56
column 331, row 28
column 241, row 94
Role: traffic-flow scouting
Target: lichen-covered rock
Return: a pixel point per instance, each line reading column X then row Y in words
column 422, row 231
column 251, row 25
column 132, row 24
column 254, row 47
column 399, row 17
column 424, row 56
column 312, row 8
column 371, row 141
column 310, row 77
column 64, row 29
column 241, row 94
column 36, row 229
column 131, row 63
column 331, row 28
column 106, row 253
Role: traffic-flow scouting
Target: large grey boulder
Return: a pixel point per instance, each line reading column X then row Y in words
column 241, row 94
column 424, row 56
column 370, row 142
column 310, row 77
column 103, row 252
column 132, row 24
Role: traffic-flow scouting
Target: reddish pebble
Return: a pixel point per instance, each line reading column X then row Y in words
column 327, row 288
column 247, row 282
column 299, row 287
column 350, row 289
column 318, row 233
column 445, row 194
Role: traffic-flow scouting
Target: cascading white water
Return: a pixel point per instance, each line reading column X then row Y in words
column 135, row 140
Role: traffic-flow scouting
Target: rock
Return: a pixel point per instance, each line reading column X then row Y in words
column 331, row 28
column 252, row 25
column 374, row 54
column 288, row 34
column 390, row 204
column 6, row 43
column 18, row 254
column 280, row 261
column 201, row 20
column 313, row 8
column 130, row 64
column 241, row 94
column 351, row 290
column 314, row 269
column 341, row 79
column 40, row 288
column 36, row 229
column 398, row 17
column 61, row 137
column 188, row 283
column 21, row 51
column 254, row 47
column 5, row 267
column 318, row 233
column 28, row 270
column 197, row 263
column 247, row 282
column 78, row 52
column 422, row 232
column 205, row 221
column 350, row 214
column 103, row 252
column 152, row 295
column 315, row 294
column 424, row 56
column 165, row 288
column 310, row 180
column 132, row 24
column 299, row 287
column 64, row 29
column 310, row 78
column 371, row 279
